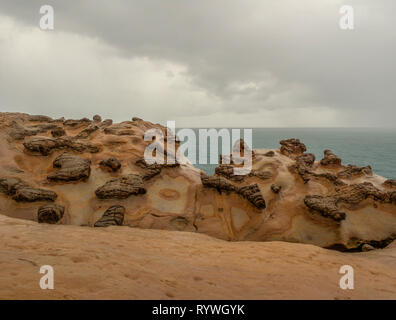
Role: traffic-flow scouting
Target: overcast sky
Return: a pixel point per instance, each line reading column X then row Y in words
column 244, row 63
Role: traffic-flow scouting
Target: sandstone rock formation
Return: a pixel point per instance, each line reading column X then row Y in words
column 131, row 263
column 287, row 196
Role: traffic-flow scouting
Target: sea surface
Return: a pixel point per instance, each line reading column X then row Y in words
column 375, row 146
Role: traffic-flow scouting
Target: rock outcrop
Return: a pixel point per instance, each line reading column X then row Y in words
column 286, row 196
column 72, row 168
column 113, row 216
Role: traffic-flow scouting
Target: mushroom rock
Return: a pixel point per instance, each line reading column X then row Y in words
column 51, row 213
column 72, row 168
column 113, row 216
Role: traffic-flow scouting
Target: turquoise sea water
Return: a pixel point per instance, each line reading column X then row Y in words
column 374, row 147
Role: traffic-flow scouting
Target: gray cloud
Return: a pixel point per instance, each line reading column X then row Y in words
column 223, row 62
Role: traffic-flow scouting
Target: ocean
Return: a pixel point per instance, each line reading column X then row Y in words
column 374, row 146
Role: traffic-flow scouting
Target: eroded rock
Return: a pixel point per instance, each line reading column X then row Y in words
column 110, row 164
column 391, row 183
column 330, row 159
column 151, row 170
column 97, row 118
column 113, row 216
column 45, row 146
column 352, row 171
column 292, row 147
column 85, row 133
column 275, row 188
column 51, row 213
column 72, row 168
column 326, row 206
column 121, row 188
column 58, row 132
column 22, row 192
column 251, row 192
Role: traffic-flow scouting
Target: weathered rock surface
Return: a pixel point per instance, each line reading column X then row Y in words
column 72, row 168
column 176, row 198
column 227, row 171
column 326, row 206
column 390, row 183
column 113, row 216
column 353, row 171
column 58, row 132
column 330, row 159
column 51, row 213
column 132, row 263
column 85, row 133
column 111, row 164
column 151, row 170
column 21, row 192
column 292, row 147
column 46, row 146
column 121, row 188
column 251, row 192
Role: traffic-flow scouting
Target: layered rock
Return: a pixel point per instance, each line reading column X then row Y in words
column 46, row 146
column 121, row 188
column 113, row 216
column 72, row 168
column 51, row 213
column 151, row 170
column 22, row 192
column 250, row 192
